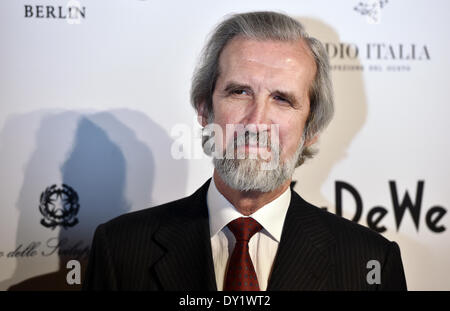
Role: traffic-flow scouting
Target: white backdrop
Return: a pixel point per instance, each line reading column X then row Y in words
column 94, row 105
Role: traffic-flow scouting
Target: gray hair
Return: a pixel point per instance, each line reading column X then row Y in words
column 266, row 26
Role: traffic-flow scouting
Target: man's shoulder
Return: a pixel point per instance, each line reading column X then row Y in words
column 148, row 218
column 351, row 247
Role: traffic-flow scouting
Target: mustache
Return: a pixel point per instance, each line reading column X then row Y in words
column 270, row 147
column 261, row 139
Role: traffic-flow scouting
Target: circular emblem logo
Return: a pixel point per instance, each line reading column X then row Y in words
column 59, row 206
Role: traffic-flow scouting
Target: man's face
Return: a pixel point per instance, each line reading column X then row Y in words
column 265, row 83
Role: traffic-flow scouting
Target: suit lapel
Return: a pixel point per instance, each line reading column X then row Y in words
column 302, row 262
column 187, row 262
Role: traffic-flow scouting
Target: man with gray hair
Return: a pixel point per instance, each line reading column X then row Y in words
column 263, row 94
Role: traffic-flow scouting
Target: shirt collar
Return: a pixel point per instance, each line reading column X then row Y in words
column 271, row 216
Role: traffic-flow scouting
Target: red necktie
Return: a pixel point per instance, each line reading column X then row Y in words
column 241, row 275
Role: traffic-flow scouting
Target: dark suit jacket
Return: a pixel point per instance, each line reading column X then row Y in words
column 168, row 247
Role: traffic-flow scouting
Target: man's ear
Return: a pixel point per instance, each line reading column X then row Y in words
column 202, row 117
column 312, row 140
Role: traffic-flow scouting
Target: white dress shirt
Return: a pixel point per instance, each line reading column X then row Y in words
column 262, row 246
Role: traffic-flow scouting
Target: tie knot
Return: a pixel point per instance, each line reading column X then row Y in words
column 244, row 228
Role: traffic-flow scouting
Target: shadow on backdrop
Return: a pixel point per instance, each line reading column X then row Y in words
column 96, row 165
column 350, row 117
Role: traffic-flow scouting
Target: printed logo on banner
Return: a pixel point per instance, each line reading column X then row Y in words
column 59, row 206
column 433, row 216
column 376, row 56
column 371, row 9
column 72, row 12
column 378, row 51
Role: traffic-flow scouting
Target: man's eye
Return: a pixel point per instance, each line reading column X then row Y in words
column 279, row 98
column 240, row 92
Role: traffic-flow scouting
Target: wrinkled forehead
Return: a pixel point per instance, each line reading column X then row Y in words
column 288, row 55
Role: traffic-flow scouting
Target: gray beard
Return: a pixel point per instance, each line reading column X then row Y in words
column 248, row 175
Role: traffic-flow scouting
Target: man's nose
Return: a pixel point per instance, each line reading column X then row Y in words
column 257, row 112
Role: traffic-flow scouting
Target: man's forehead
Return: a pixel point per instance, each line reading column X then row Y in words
column 290, row 55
